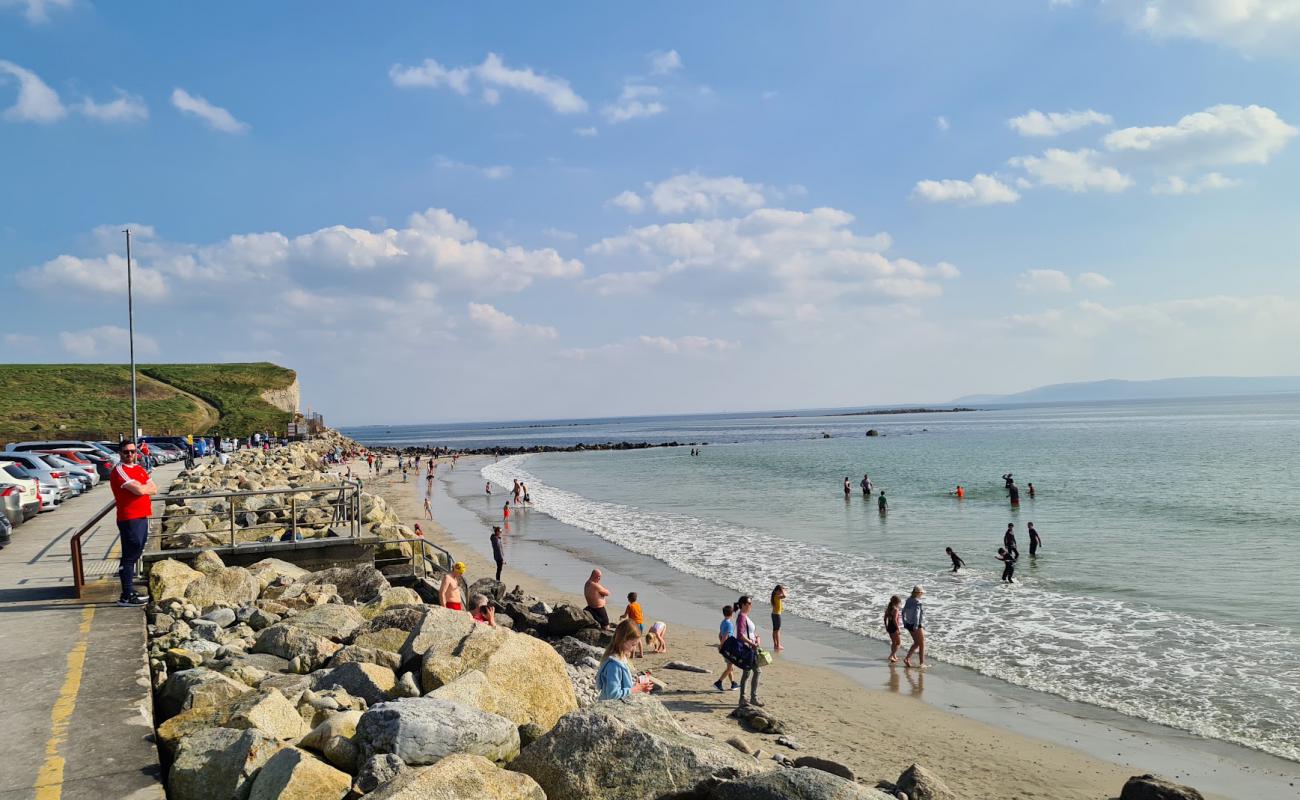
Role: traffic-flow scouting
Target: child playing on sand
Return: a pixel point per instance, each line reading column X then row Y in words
column 655, row 637
column 637, row 618
column 505, row 512
column 428, row 509
column 893, row 626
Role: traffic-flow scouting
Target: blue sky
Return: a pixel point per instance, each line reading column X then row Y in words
column 520, row 211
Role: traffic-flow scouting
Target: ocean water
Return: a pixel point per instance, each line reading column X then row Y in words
column 1168, row 587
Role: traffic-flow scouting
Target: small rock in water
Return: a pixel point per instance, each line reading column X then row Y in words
column 684, row 667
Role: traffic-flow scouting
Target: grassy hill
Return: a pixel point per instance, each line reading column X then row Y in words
column 94, row 400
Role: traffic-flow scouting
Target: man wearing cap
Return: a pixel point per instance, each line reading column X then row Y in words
column 449, row 592
column 132, row 490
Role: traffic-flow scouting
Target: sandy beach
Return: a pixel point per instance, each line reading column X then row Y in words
column 876, row 733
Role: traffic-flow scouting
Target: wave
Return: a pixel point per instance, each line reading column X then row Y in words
column 1239, row 683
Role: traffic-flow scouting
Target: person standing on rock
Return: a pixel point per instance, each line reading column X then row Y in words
column 747, row 633
column 449, row 592
column 497, row 554
column 132, row 493
column 595, row 595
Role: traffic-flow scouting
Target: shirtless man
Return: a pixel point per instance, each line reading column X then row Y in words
column 449, row 591
column 596, row 594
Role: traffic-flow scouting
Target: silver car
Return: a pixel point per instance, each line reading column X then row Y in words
column 46, row 474
column 64, row 444
column 86, row 473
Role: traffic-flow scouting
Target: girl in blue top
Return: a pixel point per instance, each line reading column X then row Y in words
column 614, row 680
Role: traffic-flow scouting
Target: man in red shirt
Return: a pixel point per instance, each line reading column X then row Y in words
column 132, row 490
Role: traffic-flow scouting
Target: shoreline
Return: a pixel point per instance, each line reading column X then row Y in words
column 836, row 691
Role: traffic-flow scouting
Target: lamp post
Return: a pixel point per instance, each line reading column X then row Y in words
column 130, row 318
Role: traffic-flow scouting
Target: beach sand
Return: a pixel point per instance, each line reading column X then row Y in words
column 876, row 733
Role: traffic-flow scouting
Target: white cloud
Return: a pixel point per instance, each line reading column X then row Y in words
column 1054, row 123
column 436, row 250
column 665, row 63
column 1095, row 281
column 687, row 344
column 1073, row 170
column 692, row 193
column 217, row 117
column 634, row 102
column 981, row 190
column 1212, row 181
column 503, row 326
column 560, row 234
column 629, row 201
column 36, row 11
column 106, row 341
column 1219, row 135
column 126, row 108
column 1044, row 280
column 587, row 132
column 941, row 122
column 494, row 172
column 1250, row 26
column 494, row 75
column 36, row 102
column 668, row 345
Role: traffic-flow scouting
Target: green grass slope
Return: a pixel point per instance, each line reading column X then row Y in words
column 70, row 401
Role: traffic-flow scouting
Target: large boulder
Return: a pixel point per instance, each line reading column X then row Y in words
column 169, row 578
column 438, row 629
column 568, row 619
column 802, row 783
column 218, row 763
column 1149, row 787
column 385, row 639
column 198, row 688
column 533, row 683
column 208, row 562
column 403, row 618
column 391, row 598
column 366, row 655
column 424, row 730
column 289, row 641
column 332, row 621
column 460, row 777
column 627, row 751
column 230, row 586
column 360, row 584
column 270, row 569
column 920, row 783
column 267, row 711
column 371, row 682
column 333, row 739
column 292, row 774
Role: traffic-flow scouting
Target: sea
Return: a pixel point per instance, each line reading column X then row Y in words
column 1167, row 587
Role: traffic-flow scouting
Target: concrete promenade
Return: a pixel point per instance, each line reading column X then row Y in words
column 73, row 674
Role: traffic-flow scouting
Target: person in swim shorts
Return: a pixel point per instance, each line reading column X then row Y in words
column 449, row 591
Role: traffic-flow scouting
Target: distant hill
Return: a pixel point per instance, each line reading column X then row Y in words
column 69, row 401
column 1164, row 388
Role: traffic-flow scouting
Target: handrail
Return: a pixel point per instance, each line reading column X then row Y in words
column 78, row 569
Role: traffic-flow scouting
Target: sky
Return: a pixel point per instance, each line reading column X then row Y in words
column 441, row 212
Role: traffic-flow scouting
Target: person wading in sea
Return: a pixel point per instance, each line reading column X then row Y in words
column 957, row 563
column 866, row 485
column 595, row 595
column 1035, row 541
column 1009, row 540
column 914, row 622
column 848, row 490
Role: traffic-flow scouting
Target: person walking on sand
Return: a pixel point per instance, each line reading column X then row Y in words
column 726, row 630
column 778, row 606
column 848, row 490
column 1035, row 541
column 882, row 503
column 1008, row 565
column 957, row 563
column 914, row 621
column 595, row 595
column 528, row 499
column 614, row 677
column 449, row 591
column 428, row 483
column 132, row 492
column 487, row 488
column 866, row 485
column 428, row 509
column 505, row 512
column 497, row 555
column 1009, row 540
column 747, row 633
column 894, row 626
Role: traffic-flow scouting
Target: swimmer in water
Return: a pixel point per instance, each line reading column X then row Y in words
column 957, row 562
column 1014, row 491
column 882, row 503
column 1031, row 491
column 1008, row 480
column 959, row 493
column 1035, row 541
column 1009, row 540
column 866, row 486
column 1008, row 565
column 847, row 489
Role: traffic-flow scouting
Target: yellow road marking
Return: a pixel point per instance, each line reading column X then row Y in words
column 49, row 781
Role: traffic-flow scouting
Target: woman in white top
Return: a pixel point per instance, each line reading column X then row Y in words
column 747, row 632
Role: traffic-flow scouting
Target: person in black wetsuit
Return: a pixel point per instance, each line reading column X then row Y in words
column 497, row 555
column 1009, row 540
column 1008, row 565
column 957, row 563
column 1035, row 541
column 1008, row 480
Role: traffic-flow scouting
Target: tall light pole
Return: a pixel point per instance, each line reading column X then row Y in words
column 130, row 321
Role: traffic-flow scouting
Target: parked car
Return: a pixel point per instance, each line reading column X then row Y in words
column 87, row 479
column 31, row 503
column 101, row 448
column 168, row 451
column 6, row 531
column 11, row 504
column 46, row 474
column 80, row 461
column 103, row 467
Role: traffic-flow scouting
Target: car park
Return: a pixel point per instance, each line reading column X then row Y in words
column 85, row 479
column 67, row 485
column 102, row 448
column 11, row 504
column 103, row 467
column 81, row 462
column 6, row 530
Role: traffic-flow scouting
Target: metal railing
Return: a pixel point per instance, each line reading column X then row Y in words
column 342, row 499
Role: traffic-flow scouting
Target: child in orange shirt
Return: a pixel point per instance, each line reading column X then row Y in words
column 634, row 615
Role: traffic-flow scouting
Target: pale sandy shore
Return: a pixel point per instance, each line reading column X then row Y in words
column 878, row 732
